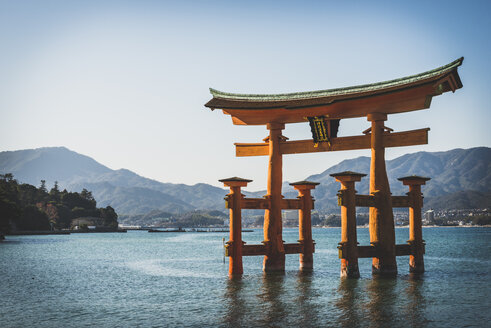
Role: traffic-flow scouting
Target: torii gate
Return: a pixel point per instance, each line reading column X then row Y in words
column 373, row 101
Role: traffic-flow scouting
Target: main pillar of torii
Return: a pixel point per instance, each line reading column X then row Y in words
column 381, row 220
column 274, row 260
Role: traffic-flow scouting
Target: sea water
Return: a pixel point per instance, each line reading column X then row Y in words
column 141, row 279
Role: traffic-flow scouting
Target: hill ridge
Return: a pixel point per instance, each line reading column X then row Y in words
column 130, row 193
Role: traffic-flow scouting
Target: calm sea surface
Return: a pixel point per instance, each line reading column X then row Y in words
column 141, row 279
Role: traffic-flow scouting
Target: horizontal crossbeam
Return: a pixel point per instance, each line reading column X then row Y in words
column 291, row 204
column 370, row 200
column 255, row 203
column 371, row 251
column 293, row 248
column 260, row 249
column 395, row 139
column 253, row 250
column 263, row 204
column 365, row 200
column 401, row 201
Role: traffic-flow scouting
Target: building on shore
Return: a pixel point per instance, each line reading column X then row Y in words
column 429, row 217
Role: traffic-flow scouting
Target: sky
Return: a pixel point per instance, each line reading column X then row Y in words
column 125, row 82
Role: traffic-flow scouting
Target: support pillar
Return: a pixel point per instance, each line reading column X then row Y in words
column 305, row 224
column 273, row 238
column 234, row 245
column 416, row 260
column 381, row 221
column 349, row 241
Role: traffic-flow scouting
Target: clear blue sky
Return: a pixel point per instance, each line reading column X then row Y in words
column 125, row 81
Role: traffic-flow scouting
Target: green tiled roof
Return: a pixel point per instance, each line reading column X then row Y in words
column 235, row 179
column 414, row 177
column 304, row 182
column 347, row 173
column 338, row 91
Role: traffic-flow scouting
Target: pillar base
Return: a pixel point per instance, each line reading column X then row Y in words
column 385, row 271
column 306, row 263
column 235, row 276
column 417, row 270
column 416, row 266
column 416, row 259
column 274, row 263
column 349, row 270
column 235, row 268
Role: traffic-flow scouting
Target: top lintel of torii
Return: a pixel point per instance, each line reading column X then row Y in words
column 396, row 96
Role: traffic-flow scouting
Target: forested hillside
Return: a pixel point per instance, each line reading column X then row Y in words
column 26, row 207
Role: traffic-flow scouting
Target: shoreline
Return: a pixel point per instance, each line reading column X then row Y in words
column 425, row 226
column 63, row 232
column 43, row 233
column 34, row 232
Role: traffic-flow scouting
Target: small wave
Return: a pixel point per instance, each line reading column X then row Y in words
column 326, row 251
column 157, row 268
column 191, row 237
column 452, row 259
column 181, row 237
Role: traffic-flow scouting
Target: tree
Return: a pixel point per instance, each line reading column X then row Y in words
column 28, row 194
column 52, row 212
column 110, row 217
column 8, row 177
column 85, row 194
column 9, row 212
column 316, row 219
column 9, row 203
column 54, row 193
column 33, row 219
column 78, row 212
column 43, row 186
column 8, row 187
column 73, row 199
column 333, row 221
column 64, row 219
column 42, row 192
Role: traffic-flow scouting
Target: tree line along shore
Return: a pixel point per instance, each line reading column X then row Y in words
column 24, row 207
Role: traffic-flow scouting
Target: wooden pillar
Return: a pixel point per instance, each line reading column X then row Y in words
column 305, row 224
column 416, row 260
column 234, row 245
column 381, row 221
column 273, row 237
column 349, row 240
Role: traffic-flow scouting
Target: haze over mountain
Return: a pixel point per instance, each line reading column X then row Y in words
column 455, row 174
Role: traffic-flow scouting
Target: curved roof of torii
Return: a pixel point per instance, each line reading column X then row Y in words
column 394, row 96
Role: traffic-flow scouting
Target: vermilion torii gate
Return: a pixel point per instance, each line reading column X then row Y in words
column 373, row 101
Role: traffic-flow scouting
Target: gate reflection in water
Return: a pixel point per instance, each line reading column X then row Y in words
column 381, row 302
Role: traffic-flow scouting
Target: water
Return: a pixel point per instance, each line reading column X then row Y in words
column 141, row 279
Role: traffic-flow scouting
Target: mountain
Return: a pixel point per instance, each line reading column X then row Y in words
column 459, row 176
column 450, row 171
column 122, row 189
column 464, row 199
column 50, row 164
